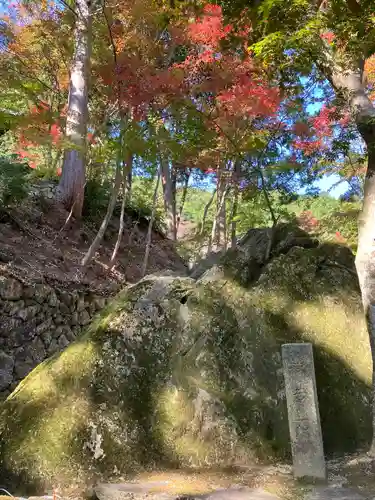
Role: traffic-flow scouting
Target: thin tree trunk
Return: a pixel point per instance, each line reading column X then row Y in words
column 235, row 204
column 223, row 223
column 150, row 225
column 183, row 197
column 350, row 84
column 205, row 211
column 266, row 196
column 111, row 206
column 126, row 169
column 169, row 204
column 129, row 183
column 71, row 187
column 174, row 201
column 215, row 235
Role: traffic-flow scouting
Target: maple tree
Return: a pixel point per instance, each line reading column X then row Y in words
column 176, row 86
column 33, row 70
column 154, row 87
column 170, row 81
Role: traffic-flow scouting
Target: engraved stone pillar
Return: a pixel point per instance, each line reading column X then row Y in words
column 303, row 411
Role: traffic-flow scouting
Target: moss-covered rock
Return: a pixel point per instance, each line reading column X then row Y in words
column 178, row 373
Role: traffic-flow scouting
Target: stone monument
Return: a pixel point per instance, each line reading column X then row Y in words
column 303, row 411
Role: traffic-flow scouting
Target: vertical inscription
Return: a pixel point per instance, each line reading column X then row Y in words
column 303, row 411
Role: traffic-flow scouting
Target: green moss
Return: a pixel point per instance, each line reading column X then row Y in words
column 175, row 373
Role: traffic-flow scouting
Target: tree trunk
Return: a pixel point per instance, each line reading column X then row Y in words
column 218, row 234
column 129, row 182
column 205, row 212
column 72, row 182
column 222, row 225
column 169, row 199
column 350, row 83
column 150, row 225
column 365, row 259
column 174, row 201
column 125, row 200
column 183, row 197
column 111, row 206
column 218, row 224
column 236, row 180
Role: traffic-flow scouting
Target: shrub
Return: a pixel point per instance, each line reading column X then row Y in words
column 96, row 198
column 13, row 181
column 139, row 209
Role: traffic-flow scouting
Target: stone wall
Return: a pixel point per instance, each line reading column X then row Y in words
column 45, row 188
column 37, row 320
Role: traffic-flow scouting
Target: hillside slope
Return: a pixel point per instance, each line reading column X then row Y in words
column 36, row 242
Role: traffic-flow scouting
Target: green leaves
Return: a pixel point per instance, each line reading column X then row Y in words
column 13, row 181
column 270, row 46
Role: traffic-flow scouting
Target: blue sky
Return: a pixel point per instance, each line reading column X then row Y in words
column 330, row 180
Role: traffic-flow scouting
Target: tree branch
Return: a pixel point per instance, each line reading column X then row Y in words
column 69, row 8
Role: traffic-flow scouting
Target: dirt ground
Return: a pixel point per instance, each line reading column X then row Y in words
column 353, row 473
column 36, row 242
column 349, row 478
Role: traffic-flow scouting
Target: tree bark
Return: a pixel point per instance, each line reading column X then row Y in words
column 350, row 84
column 215, row 234
column 169, row 199
column 151, row 223
column 222, row 226
column 111, row 206
column 125, row 200
column 205, row 212
column 72, row 182
column 183, row 197
column 236, row 180
column 174, row 200
column 129, row 183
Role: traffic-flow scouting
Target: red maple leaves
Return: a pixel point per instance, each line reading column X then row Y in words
column 40, row 130
column 324, row 120
column 307, row 221
column 209, row 29
column 329, row 37
column 339, row 237
column 315, row 135
column 236, row 86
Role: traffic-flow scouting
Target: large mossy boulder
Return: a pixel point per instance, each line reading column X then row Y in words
column 179, row 373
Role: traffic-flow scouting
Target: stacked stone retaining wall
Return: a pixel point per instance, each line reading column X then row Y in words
column 36, row 321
